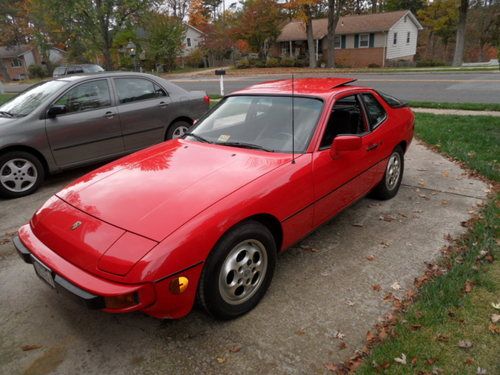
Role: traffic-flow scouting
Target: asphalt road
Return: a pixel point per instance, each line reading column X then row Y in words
column 464, row 87
column 321, row 294
column 436, row 87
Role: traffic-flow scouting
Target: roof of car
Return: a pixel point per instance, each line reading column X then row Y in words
column 83, row 76
column 299, row 86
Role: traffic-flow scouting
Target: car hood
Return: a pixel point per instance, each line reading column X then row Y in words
column 7, row 120
column 157, row 190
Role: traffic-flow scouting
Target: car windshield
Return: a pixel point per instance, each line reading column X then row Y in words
column 29, row 100
column 93, row 69
column 261, row 122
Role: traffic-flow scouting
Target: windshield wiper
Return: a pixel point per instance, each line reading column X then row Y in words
column 199, row 138
column 245, row 145
column 8, row 114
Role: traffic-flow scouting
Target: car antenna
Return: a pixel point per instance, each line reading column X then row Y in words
column 293, row 120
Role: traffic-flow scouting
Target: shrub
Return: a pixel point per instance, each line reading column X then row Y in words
column 37, row 71
column 373, row 65
column 260, row 64
column 194, row 59
column 430, row 63
column 243, row 64
column 272, row 62
column 287, row 62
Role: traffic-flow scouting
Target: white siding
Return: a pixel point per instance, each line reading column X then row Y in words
column 195, row 39
column 29, row 59
column 401, row 48
column 55, row 56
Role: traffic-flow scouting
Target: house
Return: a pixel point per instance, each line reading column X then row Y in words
column 379, row 39
column 18, row 58
column 192, row 39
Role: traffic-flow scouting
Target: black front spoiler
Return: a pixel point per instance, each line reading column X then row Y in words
column 62, row 285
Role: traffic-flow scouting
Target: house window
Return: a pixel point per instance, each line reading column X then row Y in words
column 336, row 42
column 395, row 38
column 364, row 40
column 188, row 42
column 16, row 63
column 408, row 37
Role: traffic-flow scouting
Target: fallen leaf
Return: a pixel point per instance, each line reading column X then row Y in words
column 396, row 286
column 444, row 202
column 445, row 173
column 370, row 257
column 309, row 249
column 331, row 367
column 26, row 348
column 376, row 287
column 370, row 337
column 220, row 359
column 481, row 371
column 339, row 335
column 496, row 306
column 300, row 332
column 401, row 360
column 437, row 370
column 493, row 328
column 495, row 318
column 468, row 286
column 342, row 345
column 464, row 344
column 235, row 349
column 357, row 225
column 442, row 338
column 350, row 303
column 415, row 327
column 382, row 335
column 414, row 361
column 430, row 361
column 469, row 361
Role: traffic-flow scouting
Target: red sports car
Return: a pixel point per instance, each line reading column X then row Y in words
column 204, row 217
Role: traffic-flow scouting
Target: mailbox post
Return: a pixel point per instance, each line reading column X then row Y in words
column 221, row 73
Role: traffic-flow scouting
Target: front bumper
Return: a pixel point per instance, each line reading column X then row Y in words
column 62, row 285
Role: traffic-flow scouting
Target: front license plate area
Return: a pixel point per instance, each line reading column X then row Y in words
column 44, row 273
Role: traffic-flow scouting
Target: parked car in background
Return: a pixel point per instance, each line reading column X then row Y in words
column 83, row 119
column 203, row 217
column 66, row 70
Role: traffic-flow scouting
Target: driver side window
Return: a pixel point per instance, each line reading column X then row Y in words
column 88, row 95
column 346, row 118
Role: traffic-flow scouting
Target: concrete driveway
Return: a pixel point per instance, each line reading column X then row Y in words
column 322, row 290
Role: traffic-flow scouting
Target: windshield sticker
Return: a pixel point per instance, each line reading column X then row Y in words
column 223, row 138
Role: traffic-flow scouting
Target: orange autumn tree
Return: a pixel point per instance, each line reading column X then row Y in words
column 199, row 14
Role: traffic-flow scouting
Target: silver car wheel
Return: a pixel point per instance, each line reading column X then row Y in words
column 18, row 175
column 243, row 272
column 393, row 171
column 179, row 132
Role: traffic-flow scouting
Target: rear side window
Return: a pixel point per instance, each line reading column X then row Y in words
column 75, row 70
column 59, row 71
column 87, row 96
column 374, row 110
column 136, row 89
column 392, row 101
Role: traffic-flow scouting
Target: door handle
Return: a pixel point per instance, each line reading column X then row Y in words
column 163, row 105
column 372, row 147
column 109, row 115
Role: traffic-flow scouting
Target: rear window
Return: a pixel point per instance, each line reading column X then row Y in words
column 392, row 101
column 93, row 69
column 60, row 70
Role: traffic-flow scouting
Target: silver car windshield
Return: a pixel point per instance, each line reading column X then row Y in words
column 261, row 122
column 28, row 101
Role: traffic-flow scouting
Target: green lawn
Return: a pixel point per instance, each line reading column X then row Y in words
column 429, row 332
column 466, row 106
column 5, row 97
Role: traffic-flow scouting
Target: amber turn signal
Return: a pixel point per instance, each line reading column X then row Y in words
column 179, row 285
column 121, row 302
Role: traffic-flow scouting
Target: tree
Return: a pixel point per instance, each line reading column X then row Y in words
column 259, row 24
column 458, row 56
column 199, row 14
column 335, row 8
column 413, row 5
column 164, row 38
column 482, row 25
column 95, row 23
column 178, row 8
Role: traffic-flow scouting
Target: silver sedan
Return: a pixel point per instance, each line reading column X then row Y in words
column 78, row 120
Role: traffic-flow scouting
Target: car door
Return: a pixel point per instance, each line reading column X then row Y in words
column 143, row 107
column 340, row 180
column 89, row 130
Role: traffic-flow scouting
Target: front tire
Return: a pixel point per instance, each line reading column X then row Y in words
column 238, row 272
column 21, row 173
column 177, row 130
column 389, row 186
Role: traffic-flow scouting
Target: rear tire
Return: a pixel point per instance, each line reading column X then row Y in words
column 177, row 130
column 238, row 272
column 21, row 173
column 389, row 186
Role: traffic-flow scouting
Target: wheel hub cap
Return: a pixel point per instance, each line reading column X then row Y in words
column 179, row 132
column 18, row 175
column 393, row 171
column 243, row 272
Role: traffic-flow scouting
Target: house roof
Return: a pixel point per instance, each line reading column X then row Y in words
column 8, row 52
column 352, row 24
column 195, row 29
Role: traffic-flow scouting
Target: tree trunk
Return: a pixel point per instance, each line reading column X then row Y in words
column 458, row 56
column 430, row 46
column 310, row 39
column 333, row 19
column 4, row 71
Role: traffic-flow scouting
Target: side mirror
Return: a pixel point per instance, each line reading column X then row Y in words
column 344, row 143
column 55, row 110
